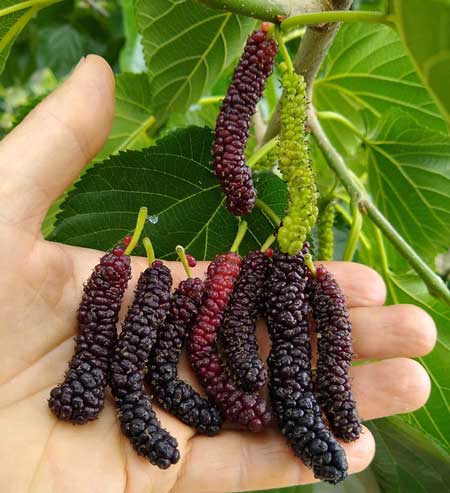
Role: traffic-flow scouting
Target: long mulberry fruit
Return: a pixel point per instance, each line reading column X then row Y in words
column 238, row 330
column 172, row 393
column 291, row 385
column 335, row 355
column 233, row 122
column 80, row 398
column 245, row 408
column 295, row 164
column 129, row 360
column 326, row 233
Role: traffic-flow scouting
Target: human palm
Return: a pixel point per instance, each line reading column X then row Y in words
column 41, row 286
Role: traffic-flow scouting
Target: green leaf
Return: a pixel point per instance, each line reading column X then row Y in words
column 187, row 46
column 132, row 54
column 408, row 460
column 410, row 180
column 425, row 30
column 199, row 115
column 174, row 180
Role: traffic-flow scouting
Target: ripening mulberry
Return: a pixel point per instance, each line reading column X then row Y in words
column 233, row 122
column 326, row 232
column 291, row 385
column 245, row 408
column 334, row 341
column 129, row 360
column 173, row 394
column 238, row 330
column 80, row 397
column 295, row 164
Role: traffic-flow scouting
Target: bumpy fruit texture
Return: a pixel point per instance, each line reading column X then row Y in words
column 335, row 356
column 268, row 161
column 291, row 384
column 234, row 120
column 80, row 397
column 245, row 408
column 238, row 330
column 173, row 394
column 326, row 233
column 145, row 316
column 295, row 164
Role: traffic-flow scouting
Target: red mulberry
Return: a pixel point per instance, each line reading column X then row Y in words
column 247, row 409
column 174, row 395
column 239, row 329
column 80, row 397
column 335, row 356
column 291, row 385
column 233, row 122
column 129, row 360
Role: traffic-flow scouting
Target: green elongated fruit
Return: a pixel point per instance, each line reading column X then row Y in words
column 326, row 233
column 295, row 165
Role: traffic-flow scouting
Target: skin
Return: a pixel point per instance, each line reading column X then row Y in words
column 40, row 289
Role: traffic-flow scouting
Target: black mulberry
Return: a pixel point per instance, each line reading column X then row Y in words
column 334, row 341
column 233, row 122
column 173, row 394
column 291, row 385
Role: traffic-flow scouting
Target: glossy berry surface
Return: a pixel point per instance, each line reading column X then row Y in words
column 80, row 398
column 234, row 120
column 192, row 261
column 173, row 394
column 245, row 408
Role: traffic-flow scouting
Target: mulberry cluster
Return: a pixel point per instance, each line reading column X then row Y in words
column 326, row 233
column 239, row 325
column 173, row 394
column 80, row 397
column 335, row 356
column 295, row 164
column 244, row 408
column 291, row 384
column 129, row 360
column 233, row 122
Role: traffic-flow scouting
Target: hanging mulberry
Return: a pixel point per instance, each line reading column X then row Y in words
column 233, row 122
column 295, row 164
column 239, row 329
column 244, row 408
column 326, row 233
column 334, row 342
column 80, row 397
column 173, row 394
column 129, row 360
column 291, row 386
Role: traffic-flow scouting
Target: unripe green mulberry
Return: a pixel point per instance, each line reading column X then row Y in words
column 268, row 161
column 295, row 164
column 326, row 233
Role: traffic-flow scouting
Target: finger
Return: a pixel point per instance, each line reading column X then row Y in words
column 391, row 331
column 238, row 461
column 46, row 152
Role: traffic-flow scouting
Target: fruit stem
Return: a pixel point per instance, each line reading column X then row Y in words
column 262, row 151
column 182, row 256
column 355, row 232
column 310, row 264
column 242, row 230
column 149, row 250
column 269, row 212
column 140, row 223
column 283, row 50
column 268, row 243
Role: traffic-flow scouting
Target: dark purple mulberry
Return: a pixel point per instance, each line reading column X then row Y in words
column 80, row 397
column 128, row 363
column 173, row 394
column 239, row 325
column 291, row 385
column 244, row 408
column 233, row 122
column 334, row 343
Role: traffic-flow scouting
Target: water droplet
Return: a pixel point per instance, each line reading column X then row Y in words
column 153, row 219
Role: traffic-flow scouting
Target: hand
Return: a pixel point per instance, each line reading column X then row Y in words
column 40, row 289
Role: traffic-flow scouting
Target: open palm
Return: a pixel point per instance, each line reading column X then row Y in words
column 41, row 286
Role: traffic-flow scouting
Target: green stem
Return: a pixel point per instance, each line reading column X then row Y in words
column 262, row 152
column 335, row 16
column 182, row 256
column 310, row 264
column 283, row 50
column 349, row 220
column 242, row 230
column 331, row 115
column 140, row 223
column 355, row 234
column 149, row 250
column 358, row 194
column 267, row 244
column 382, row 253
column 211, row 100
column 296, row 33
column 24, row 5
column 274, row 217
